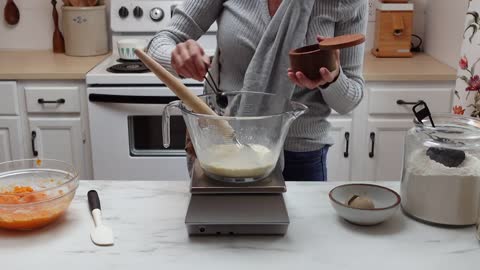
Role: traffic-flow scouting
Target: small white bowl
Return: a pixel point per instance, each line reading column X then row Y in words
column 126, row 48
column 385, row 200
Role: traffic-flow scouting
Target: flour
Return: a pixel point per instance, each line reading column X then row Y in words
column 229, row 160
column 420, row 164
column 433, row 192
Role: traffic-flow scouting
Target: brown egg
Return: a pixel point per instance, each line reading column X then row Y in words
column 360, row 202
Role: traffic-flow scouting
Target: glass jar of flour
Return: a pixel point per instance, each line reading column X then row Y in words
column 441, row 171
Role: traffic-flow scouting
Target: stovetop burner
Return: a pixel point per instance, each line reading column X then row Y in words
column 120, row 60
column 128, row 66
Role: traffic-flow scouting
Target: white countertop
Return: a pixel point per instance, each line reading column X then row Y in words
column 148, row 222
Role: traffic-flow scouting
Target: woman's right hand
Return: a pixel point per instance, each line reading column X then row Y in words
column 189, row 60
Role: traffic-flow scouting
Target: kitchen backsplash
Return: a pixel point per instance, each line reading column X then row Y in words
column 444, row 32
column 35, row 28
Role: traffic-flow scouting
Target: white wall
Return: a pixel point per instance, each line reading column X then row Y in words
column 445, row 20
column 439, row 22
column 34, row 31
column 35, row 28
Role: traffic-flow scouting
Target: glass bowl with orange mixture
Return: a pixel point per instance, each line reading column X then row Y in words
column 35, row 193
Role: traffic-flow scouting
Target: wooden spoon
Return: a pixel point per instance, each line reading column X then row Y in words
column 77, row 3
column 11, row 13
column 57, row 40
column 191, row 100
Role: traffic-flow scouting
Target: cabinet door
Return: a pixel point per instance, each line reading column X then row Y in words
column 58, row 138
column 384, row 148
column 338, row 159
column 9, row 98
column 10, row 143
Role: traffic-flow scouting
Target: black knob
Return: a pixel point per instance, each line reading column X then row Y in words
column 123, row 12
column 157, row 14
column 138, row 12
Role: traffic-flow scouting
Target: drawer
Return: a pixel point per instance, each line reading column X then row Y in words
column 8, row 98
column 385, row 100
column 52, row 99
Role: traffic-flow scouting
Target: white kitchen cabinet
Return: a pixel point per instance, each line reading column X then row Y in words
column 58, row 138
column 11, row 147
column 9, row 104
column 53, row 99
column 339, row 154
column 56, row 113
column 383, row 151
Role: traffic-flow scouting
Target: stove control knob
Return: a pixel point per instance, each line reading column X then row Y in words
column 138, row 12
column 157, row 14
column 123, row 12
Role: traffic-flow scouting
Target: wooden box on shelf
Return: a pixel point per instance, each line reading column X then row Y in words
column 393, row 30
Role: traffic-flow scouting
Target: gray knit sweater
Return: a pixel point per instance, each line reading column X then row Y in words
column 241, row 24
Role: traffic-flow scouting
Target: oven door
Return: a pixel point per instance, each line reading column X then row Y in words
column 126, row 134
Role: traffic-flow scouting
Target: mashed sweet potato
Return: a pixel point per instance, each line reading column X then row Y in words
column 19, row 211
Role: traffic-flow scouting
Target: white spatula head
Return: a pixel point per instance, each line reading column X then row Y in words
column 102, row 236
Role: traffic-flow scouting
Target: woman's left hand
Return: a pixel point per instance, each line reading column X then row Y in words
column 301, row 80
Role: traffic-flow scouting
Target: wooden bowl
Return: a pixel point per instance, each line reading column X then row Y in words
column 310, row 59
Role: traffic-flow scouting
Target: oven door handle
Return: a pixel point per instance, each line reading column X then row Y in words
column 104, row 98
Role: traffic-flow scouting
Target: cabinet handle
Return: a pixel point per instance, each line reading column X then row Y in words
column 58, row 101
column 347, row 142
column 372, row 138
column 34, row 136
column 403, row 102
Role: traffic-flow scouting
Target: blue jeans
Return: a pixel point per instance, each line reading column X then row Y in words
column 306, row 166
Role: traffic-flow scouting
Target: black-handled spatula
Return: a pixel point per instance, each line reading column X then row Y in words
column 101, row 235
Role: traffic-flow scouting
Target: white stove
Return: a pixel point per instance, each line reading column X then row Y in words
column 100, row 75
column 125, row 109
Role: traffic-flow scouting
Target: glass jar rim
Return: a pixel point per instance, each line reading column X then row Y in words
column 450, row 130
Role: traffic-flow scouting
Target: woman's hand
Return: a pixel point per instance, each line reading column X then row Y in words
column 189, row 60
column 328, row 77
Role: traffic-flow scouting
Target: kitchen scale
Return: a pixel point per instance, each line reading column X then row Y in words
column 241, row 207
column 221, row 208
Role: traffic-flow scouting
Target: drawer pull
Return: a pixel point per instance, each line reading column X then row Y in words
column 347, row 141
column 372, row 138
column 403, row 102
column 34, row 136
column 58, row 101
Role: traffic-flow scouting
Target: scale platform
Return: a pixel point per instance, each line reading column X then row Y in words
column 219, row 208
column 202, row 184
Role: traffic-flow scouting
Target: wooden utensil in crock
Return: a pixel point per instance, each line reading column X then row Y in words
column 11, row 13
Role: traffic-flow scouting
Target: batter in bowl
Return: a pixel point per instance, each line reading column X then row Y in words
column 230, row 160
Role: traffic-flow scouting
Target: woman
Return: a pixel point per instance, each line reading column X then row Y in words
column 253, row 40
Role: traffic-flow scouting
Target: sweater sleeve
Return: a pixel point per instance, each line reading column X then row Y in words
column 189, row 21
column 345, row 93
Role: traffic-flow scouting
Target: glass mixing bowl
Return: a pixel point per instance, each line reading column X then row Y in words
column 242, row 143
column 35, row 193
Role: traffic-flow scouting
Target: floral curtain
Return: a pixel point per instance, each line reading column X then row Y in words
column 467, row 90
